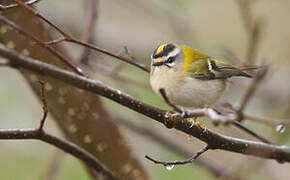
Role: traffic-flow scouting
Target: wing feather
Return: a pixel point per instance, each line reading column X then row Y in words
column 207, row 68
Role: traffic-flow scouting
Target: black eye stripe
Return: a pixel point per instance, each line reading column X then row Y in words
column 158, row 64
column 168, row 61
column 171, row 59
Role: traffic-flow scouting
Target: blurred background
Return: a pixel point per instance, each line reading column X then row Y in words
column 215, row 27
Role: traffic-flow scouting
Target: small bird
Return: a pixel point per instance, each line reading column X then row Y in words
column 189, row 77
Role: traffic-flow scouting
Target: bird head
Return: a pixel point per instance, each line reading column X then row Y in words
column 167, row 55
column 172, row 56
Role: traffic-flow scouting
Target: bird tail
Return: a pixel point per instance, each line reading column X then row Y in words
column 247, row 71
column 230, row 71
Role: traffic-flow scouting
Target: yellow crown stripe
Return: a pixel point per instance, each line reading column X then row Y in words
column 160, row 49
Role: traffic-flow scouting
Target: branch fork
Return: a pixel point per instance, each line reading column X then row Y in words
column 66, row 146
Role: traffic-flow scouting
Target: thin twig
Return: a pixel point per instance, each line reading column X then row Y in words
column 36, row 13
column 91, row 46
column 66, row 146
column 113, row 71
column 262, row 71
column 166, row 99
column 44, row 106
column 89, row 30
column 172, row 145
column 3, row 8
column 55, row 41
column 49, row 48
column 244, row 128
column 68, row 38
column 119, row 78
column 129, row 54
column 172, row 163
column 215, row 140
column 69, row 147
column 60, row 143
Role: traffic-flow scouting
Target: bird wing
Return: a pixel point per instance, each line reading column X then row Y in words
column 207, row 68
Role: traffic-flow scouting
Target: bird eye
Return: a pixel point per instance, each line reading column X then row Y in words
column 170, row 60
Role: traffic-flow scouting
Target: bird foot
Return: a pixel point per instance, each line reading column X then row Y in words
column 194, row 121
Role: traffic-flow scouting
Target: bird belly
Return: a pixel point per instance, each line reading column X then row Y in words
column 188, row 92
column 198, row 93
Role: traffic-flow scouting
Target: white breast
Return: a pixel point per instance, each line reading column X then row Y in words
column 187, row 92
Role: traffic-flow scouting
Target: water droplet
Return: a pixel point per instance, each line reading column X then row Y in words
column 79, row 69
column 169, row 167
column 280, row 128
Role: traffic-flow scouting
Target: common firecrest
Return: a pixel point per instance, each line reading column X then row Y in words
column 189, row 77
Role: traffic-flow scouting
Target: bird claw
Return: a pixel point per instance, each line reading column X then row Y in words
column 193, row 121
column 200, row 124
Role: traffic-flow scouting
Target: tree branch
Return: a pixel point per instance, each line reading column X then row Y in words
column 66, row 146
column 173, row 146
column 2, row 8
column 68, row 38
column 213, row 139
column 62, row 144
column 214, row 115
column 58, row 54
